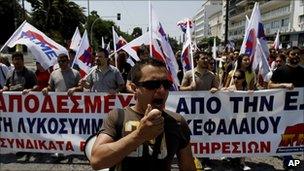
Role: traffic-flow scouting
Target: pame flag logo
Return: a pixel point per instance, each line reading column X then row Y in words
column 292, row 140
column 35, row 36
column 38, row 39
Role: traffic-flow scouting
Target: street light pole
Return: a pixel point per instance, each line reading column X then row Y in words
column 118, row 18
column 92, row 30
column 88, row 7
column 226, row 22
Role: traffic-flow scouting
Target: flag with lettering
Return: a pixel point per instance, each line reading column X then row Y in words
column 83, row 57
column 44, row 49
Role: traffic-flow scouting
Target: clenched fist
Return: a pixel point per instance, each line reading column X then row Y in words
column 151, row 125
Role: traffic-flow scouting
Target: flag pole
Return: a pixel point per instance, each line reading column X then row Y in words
column 114, row 45
column 150, row 28
column 77, row 52
column 13, row 35
column 191, row 52
column 235, row 67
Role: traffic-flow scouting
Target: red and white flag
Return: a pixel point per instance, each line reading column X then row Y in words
column 159, row 34
column 132, row 47
column 185, row 55
column 44, row 49
column 75, row 40
column 254, row 34
column 118, row 42
column 183, row 24
column 255, row 30
column 83, row 57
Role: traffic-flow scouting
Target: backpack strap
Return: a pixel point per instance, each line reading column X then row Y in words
column 119, row 124
column 118, row 128
column 3, row 73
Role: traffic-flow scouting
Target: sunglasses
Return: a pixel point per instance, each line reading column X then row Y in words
column 62, row 61
column 237, row 77
column 293, row 54
column 155, row 84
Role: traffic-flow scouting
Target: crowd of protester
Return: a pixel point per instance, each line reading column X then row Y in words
column 287, row 70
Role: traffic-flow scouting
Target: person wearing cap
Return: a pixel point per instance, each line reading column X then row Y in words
column 103, row 77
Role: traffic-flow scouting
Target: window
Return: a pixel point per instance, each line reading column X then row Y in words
column 285, row 22
column 301, row 2
column 275, row 24
column 301, row 19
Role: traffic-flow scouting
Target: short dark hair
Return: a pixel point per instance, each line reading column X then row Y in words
column 72, row 52
column 136, row 72
column 197, row 55
column 62, row 55
column 141, row 50
column 105, row 51
column 17, row 54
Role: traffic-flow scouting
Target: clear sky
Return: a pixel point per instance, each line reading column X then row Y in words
column 135, row 13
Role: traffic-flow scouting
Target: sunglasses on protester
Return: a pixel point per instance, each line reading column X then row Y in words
column 237, row 77
column 155, row 84
column 62, row 61
column 293, row 54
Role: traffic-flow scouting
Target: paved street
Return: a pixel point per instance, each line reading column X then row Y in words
column 43, row 162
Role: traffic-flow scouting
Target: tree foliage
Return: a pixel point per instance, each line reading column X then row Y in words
column 207, row 43
column 11, row 15
column 57, row 18
column 137, row 31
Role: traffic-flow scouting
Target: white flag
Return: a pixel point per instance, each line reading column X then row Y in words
column 132, row 47
column 44, row 49
column 276, row 43
column 75, row 40
column 261, row 61
column 242, row 50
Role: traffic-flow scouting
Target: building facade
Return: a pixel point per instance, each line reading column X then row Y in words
column 287, row 16
column 201, row 18
column 215, row 25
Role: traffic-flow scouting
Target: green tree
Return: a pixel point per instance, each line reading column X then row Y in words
column 174, row 44
column 98, row 27
column 11, row 15
column 207, row 42
column 57, row 18
column 137, row 31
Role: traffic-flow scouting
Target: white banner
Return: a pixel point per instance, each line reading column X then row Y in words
column 263, row 123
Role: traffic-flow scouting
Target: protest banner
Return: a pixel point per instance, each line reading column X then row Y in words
column 232, row 124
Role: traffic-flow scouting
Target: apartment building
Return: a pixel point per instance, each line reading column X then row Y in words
column 201, row 18
column 215, row 25
column 284, row 15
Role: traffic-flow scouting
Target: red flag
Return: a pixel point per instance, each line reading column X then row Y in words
column 83, row 56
